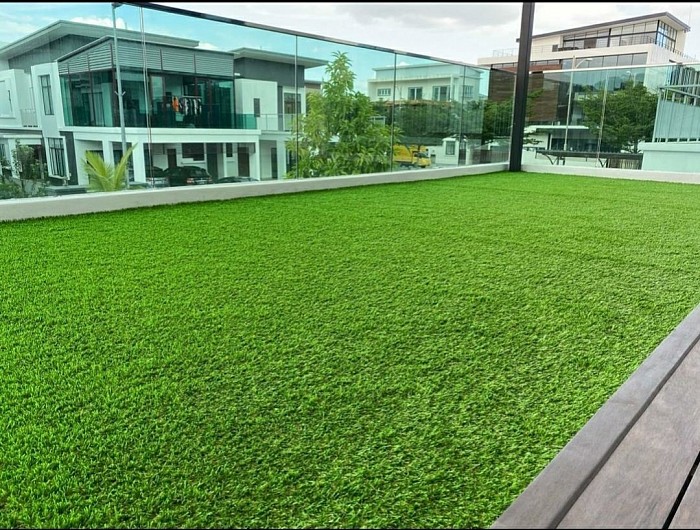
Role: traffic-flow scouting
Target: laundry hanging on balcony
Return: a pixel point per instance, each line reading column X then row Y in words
column 187, row 105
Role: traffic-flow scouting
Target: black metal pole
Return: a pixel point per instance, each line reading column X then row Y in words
column 520, row 102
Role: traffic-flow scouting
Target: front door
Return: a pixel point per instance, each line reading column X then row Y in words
column 243, row 161
column 212, row 160
column 172, row 158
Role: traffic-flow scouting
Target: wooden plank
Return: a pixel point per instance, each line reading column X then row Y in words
column 688, row 513
column 640, row 482
column 550, row 495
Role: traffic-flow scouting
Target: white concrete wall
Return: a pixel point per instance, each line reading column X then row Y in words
column 15, row 209
column 49, row 124
column 629, row 174
column 249, row 89
column 9, row 100
column 671, row 156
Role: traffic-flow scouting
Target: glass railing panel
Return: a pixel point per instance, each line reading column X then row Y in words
column 36, row 154
column 219, row 98
column 602, row 117
column 438, row 113
column 497, row 122
column 343, row 128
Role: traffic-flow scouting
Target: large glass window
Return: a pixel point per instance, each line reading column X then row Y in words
column 441, row 93
column 45, row 81
column 88, row 99
column 57, row 156
column 415, row 93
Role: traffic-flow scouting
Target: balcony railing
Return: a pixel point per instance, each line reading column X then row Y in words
column 632, row 40
column 163, row 118
column 28, row 118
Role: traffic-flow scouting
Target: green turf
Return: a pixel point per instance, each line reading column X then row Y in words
column 405, row 355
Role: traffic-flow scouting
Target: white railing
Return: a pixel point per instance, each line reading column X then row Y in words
column 624, row 41
column 28, row 117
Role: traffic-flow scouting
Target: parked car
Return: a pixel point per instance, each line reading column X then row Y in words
column 188, row 176
column 156, row 178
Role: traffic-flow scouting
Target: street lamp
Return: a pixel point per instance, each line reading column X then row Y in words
column 574, row 65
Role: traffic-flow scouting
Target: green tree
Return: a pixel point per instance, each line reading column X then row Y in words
column 427, row 122
column 628, row 116
column 498, row 117
column 29, row 169
column 104, row 176
column 338, row 135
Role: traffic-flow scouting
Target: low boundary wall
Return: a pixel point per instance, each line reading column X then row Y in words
column 16, row 209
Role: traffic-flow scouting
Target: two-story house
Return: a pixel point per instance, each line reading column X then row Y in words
column 433, row 88
column 227, row 112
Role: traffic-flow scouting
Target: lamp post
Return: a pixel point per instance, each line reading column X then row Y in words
column 574, row 64
column 120, row 92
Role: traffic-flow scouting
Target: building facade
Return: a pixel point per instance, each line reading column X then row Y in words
column 229, row 113
column 651, row 39
column 566, row 63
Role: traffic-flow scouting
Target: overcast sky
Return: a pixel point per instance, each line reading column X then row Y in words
column 454, row 31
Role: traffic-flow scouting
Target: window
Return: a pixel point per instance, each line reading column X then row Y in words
column 193, row 151
column 256, row 107
column 383, row 92
column 450, row 147
column 292, row 106
column 415, row 93
column 441, row 93
column 46, row 94
column 5, row 99
column 57, row 156
column 468, row 91
column 624, row 60
column 229, row 150
column 639, row 58
column 292, row 103
column 610, row 60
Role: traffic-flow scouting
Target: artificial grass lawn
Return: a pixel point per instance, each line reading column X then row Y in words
column 406, row 355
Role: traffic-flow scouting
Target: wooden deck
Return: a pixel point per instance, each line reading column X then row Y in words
column 633, row 464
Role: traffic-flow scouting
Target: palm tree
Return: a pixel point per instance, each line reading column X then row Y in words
column 104, row 176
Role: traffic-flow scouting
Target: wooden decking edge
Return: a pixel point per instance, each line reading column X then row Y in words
column 548, row 497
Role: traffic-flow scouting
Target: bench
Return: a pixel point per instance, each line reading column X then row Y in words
column 633, row 463
column 609, row 160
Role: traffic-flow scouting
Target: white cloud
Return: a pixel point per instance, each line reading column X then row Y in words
column 97, row 21
column 10, row 28
column 208, row 46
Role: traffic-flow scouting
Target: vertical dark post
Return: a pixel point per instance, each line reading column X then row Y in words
column 520, row 104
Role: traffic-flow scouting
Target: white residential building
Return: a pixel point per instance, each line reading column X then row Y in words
column 432, row 82
column 227, row 112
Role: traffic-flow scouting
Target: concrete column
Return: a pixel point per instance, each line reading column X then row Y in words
column 138, row 159
column 224, row 158
column 256, row 167
column 281, row 160
column 107, row 152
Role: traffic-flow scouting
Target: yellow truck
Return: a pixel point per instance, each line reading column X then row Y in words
column 411, row 156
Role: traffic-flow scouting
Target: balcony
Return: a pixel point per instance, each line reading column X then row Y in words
column 632, row 40
column 28, row 118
